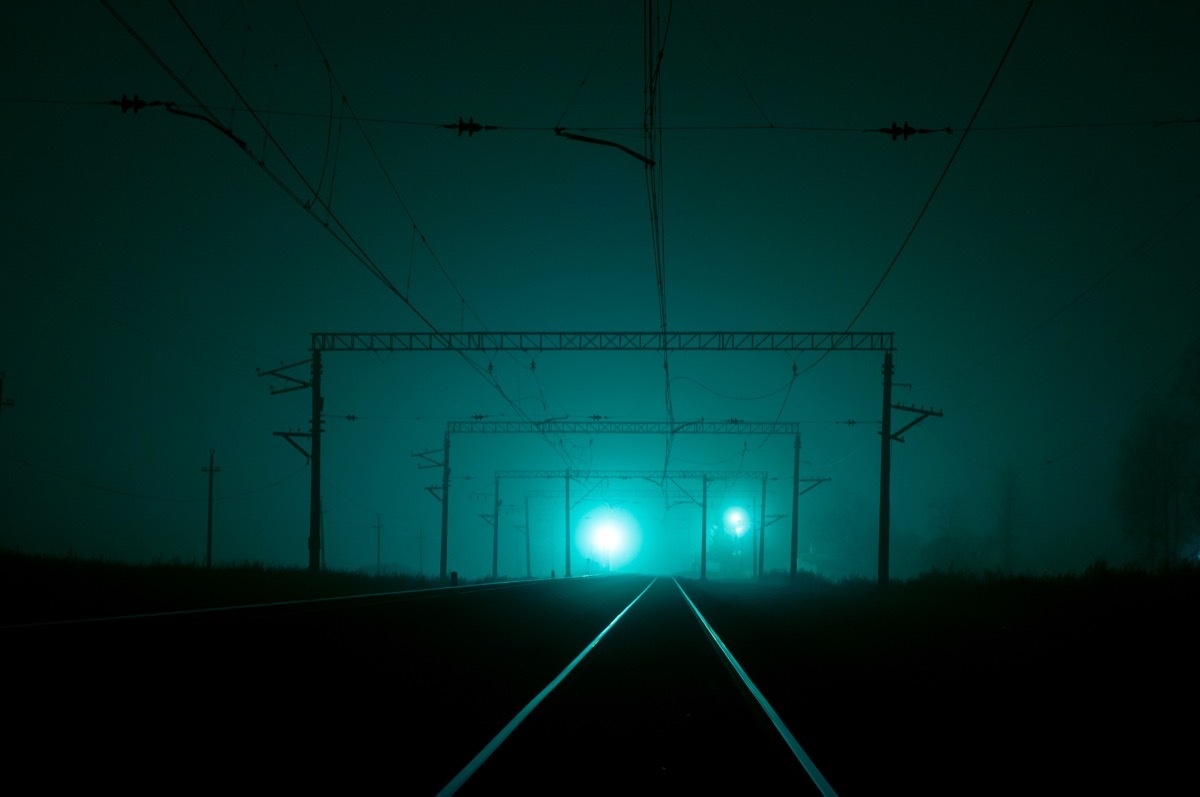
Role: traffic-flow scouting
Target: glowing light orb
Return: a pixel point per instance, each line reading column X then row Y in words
column 610, row 536
column 607, row 535
column 737, row 521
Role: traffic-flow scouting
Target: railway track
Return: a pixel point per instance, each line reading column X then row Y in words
column 575, row 684
column 594, row 684
column 657, row 703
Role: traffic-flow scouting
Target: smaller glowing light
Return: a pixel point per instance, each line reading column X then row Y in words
column 736, row 521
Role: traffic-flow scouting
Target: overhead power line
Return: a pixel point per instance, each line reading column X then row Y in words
column 929, row 201
column 143, row 496
column 938, row 184
column 584, row 129
column 470, row 128
column 655, row 46
column 331, row 221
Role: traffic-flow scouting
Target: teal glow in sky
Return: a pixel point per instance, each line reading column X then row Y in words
column 151, row 265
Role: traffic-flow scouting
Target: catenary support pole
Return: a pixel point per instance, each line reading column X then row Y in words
column 445, row 501
column 795, row 506
column 567, row 567
column 703, row 527
column 496, row 529
column 762, row 530
column 210, row 470
column 885, row 471
column 314, row 506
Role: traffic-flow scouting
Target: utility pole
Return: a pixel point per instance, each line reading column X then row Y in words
column 313, row 455
column 378, row 546
column 496, row 529
column 210, row 470
column 440, row 492
column 795, row 506
column 704, row 527
column 528, row 530
column 885, row 470
column 567, row 485
column 885, row 461
column 445, row 502
column 315, row 544
column 762, row 531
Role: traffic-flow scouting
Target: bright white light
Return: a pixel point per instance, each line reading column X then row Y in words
column 737, row 522
column 610, row 536
column 607, row 535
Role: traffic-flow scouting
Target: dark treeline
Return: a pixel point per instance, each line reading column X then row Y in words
column 41, row 588
column 1157, row 491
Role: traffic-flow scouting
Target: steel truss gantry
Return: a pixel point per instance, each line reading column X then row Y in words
column 656, row 476
column 731, row 426
column 601, row 341
column 588, row 341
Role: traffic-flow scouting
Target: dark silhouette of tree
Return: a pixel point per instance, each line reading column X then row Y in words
column 1158, row 481
column 844, row 543
column 954, row 546
column 1005, row 509
column 1188, row 389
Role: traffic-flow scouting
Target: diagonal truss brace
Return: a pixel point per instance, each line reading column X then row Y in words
column 290, row 382
column 430, row 460
column 922, row 414
column 290, row 438
column 816, row 482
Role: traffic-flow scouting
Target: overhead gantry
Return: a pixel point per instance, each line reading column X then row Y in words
column 585, row 341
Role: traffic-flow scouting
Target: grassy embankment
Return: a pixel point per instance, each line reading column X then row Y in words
column 39, row 588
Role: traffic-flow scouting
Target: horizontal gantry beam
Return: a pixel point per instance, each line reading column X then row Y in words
column 627, row 493
column 602, row 341
column 623, row 427
column 650, row 475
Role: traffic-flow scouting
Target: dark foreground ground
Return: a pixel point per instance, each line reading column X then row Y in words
column 958, row 686
column 943, row 685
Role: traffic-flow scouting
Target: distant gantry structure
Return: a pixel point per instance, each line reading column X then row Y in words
column 587, row 341
column 738, row 427
column 651, row 475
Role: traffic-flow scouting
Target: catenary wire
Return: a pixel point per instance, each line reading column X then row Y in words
column 937, row 184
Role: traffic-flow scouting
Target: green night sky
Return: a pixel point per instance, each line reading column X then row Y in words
column 152, row 265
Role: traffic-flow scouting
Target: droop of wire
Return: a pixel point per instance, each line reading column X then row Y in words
column 937, row 185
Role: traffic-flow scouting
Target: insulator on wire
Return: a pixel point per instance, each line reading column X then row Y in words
column 896, row 131
column 470, row 127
